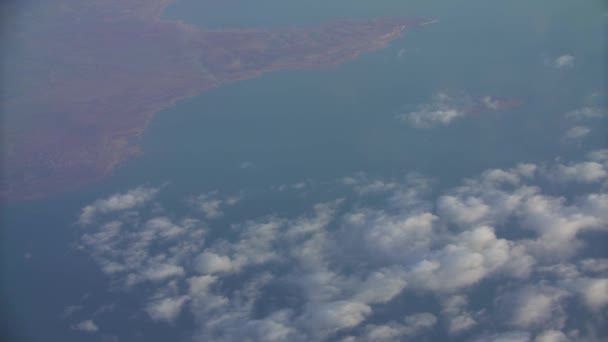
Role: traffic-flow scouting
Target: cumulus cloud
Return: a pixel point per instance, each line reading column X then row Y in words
column 129, row 253
column 381, row 286
column 442, row 110
column 564, row 61
column 166, row 309
column 467, row 259
column 333, row 271
column 511, row 336
column 459, row 318
column 212, row 205
column 551, row 336
column 118, row 202
column 330, row 317
column 594, row 265
column 537, row 306
column 593, row 291
column 587, row 113
column 599, row 155
column 87, row 326
column 409, row 327
column 577, row 132
column 210, row 263
column 583, row 172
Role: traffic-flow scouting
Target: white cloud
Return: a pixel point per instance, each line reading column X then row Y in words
column 271, row 329
column 564, row 61
column 551, row 336
column 587, row 113
column 391, row 237
column 464, row 211
column 160, row 272
column 490, row 102
column 328, row 273
column 558, row 224
column 594, row 291
column 212, row 205
column 441, row 111
column 469, row 258
column 459, row 319
column 595, row 265
column 87, row 326
column 164, row 227
column 211, row 263
column 512, row 336
column 166, row 309
column 129, row 200
column 488, row 200
column 409, row 327
column 577, row 132
column 211, row 208
column 328, row 318
column 584, row 172
column 128, row 251
column 537, row 306
column 381, row 286
column 599, row 155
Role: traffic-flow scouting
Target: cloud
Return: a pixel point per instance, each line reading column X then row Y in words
column 587, row 113
column 467, row 259
column 129, row 251
column 163, row 271
column 460, row 320
column 166, row 309
column 441, row 111
column 583, row 172
column 490, row 103
column 595, row 265
column 87, row 326
column 118, row 202
column 328, row 318
column 562, row 61
column 551, row 336
column 212, row 205
column 333, row 271
column 577, row 132
column 599, row 155
column 537, row 306
column 211, row 263
column 409, row 327
column 401, row 53
column 594, row 291
column 511, row 336
column 557, row 224
column 381, row 286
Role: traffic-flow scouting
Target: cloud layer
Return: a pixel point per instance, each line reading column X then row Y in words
column 334, row 271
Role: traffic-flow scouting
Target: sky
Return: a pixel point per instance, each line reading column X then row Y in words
column 391, row 198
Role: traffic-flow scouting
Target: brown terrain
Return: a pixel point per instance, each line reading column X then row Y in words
column 92, row 73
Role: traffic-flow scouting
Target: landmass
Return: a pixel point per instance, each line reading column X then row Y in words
column 85, row 77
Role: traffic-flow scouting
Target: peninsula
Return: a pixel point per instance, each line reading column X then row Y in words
column 86, row 76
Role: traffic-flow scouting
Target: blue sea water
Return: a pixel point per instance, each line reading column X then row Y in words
column 318, row 125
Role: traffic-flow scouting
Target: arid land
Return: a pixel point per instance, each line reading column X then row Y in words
column 91, row 74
